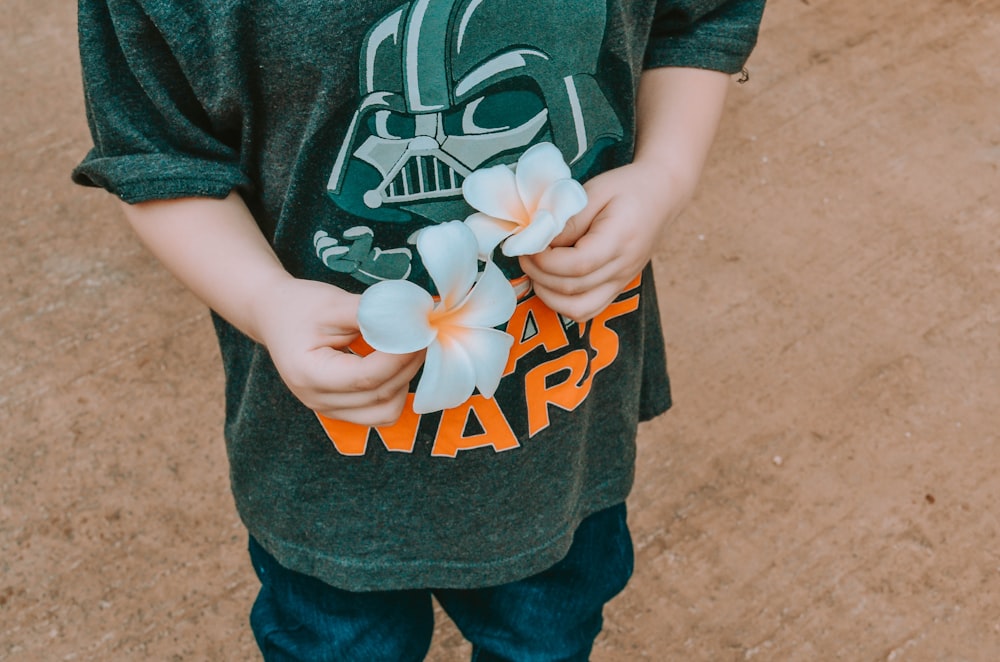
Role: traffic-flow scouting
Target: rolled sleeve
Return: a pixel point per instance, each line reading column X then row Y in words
column 704, row 34
column 153, row 139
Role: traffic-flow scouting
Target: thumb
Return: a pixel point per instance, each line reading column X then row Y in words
column 579, row 224
column 340, row 318
column 576, row 227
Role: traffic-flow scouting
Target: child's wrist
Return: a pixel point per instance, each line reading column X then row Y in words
column 269, row 291
column 670, row 174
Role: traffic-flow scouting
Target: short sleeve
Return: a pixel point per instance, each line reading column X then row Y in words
column 704, row 34
column 153, row 139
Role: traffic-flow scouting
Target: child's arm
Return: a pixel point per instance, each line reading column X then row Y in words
column 607, row 244
column 215, row 248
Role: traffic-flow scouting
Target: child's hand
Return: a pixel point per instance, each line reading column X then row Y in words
column 608, row 243
column 217, row 250
column 307, row 326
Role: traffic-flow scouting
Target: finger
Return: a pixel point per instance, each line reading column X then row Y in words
column 579, row 308
column 380, row 415
column 599, row 246
column 571, row 262
column 345, row 403
column 342, row 319
column 579, row 224
column 576, row 226
column 570, row 284
column 336, row 372
column 380, row 370
column 321, row 397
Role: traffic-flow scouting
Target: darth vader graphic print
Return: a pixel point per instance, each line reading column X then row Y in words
column 451, row 86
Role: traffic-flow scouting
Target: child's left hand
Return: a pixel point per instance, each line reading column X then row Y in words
column 608, row 243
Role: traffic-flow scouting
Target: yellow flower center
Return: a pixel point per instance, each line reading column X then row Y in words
column 442, row 316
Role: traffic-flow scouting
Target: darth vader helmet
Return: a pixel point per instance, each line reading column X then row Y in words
column 449, row 86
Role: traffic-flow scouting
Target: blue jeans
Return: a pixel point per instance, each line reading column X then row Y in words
column 554, row 615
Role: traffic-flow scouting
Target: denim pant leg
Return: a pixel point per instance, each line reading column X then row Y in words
column 556, row 614
column 300, row 618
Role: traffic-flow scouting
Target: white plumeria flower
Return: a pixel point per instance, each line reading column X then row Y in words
column 525, row 208
column 464, row 351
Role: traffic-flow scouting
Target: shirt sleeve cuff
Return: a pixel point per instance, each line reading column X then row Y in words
column 141, row 177
column 725, row 57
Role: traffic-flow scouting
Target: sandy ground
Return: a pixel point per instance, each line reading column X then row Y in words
column 825, row 489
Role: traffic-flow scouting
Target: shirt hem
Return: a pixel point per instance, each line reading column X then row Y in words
column 391, row 574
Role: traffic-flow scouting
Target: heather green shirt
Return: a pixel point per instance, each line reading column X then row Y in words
column 346, row 127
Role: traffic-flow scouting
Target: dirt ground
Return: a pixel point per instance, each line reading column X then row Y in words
column 826, row 487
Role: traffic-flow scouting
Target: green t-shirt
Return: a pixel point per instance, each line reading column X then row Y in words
column 346, row 127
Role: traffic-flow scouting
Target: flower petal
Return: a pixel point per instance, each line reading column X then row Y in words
column 448, row 379
column 489, row 349
column 490, row 303
column 536, row 237
column 392, row 316
column 537, row 169
column 449, row 252
column 489, row 231
column 564, row 198
column 493, row 191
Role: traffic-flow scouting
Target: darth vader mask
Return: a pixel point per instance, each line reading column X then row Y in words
column 449, row 86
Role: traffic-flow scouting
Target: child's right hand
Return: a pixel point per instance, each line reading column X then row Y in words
column 306, row 327
column 217, row 250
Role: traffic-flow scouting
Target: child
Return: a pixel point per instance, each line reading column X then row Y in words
column 278, row 159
